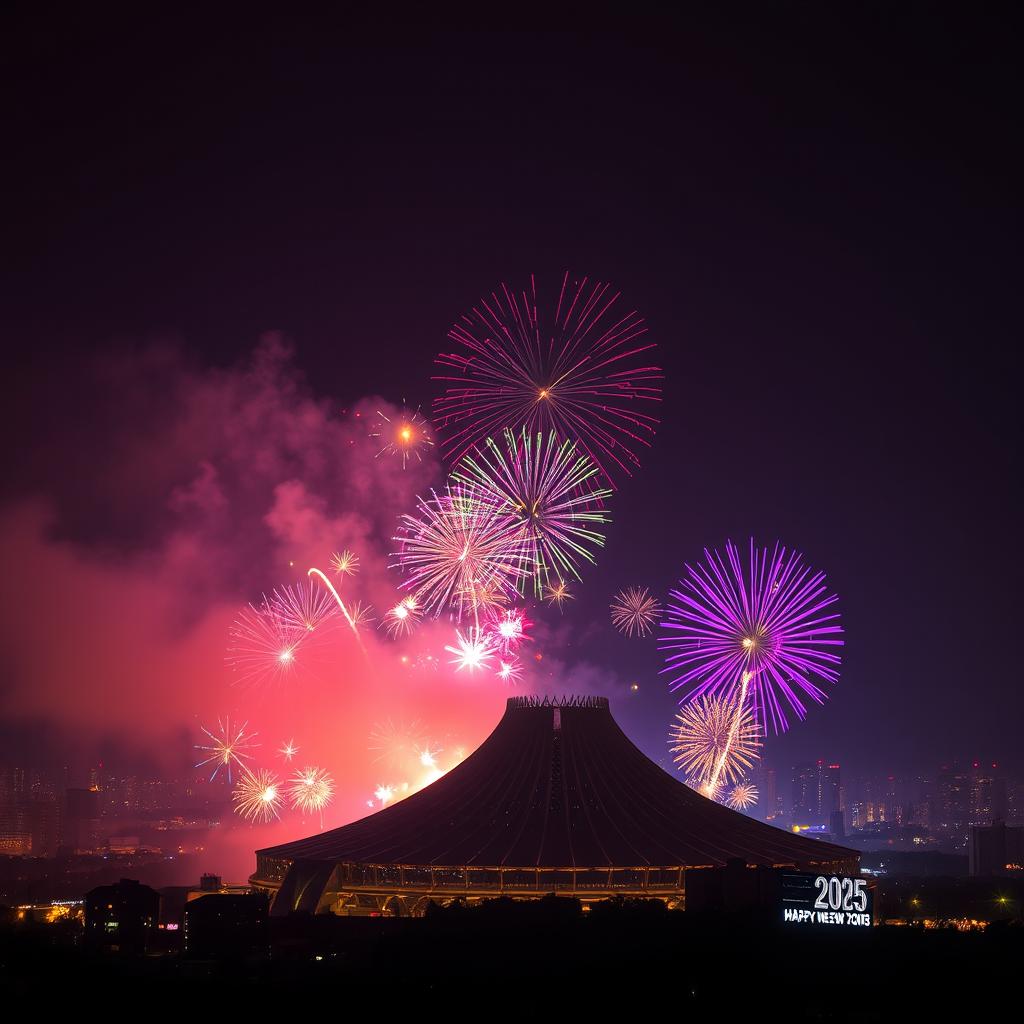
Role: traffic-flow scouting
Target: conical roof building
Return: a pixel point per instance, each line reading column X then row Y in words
column 556, row 799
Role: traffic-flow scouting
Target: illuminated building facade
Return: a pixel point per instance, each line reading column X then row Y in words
column 557, row 799
column 30, row 818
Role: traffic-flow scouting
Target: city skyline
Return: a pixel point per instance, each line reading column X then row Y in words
column 250, row 312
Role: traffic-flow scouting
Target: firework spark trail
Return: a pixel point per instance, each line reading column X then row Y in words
column 548, row 488
column 352, row 621
column 229, row 747
column 457, row 548
column 634, row 611
column 578, row 375
column 768, row 626
column 732, row 737
column 407, row 435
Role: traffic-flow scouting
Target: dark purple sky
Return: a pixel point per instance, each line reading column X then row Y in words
column 818, row 214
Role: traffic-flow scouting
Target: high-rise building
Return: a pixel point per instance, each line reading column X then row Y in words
column 816, row 793
column 953, row 804
column 15, row 829
column 922, row 810
column 82, row 820
column 829, row 790
column 29, row 814
column 996, row 849
column 12, row 785
column 893, row 806
column 987, row 793
column 45, row 822
column 763, row 778
column 858, row 814
column 804, row 809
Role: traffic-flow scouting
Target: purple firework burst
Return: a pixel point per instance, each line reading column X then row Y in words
column 766, row 625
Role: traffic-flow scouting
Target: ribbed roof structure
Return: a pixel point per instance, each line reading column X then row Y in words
column 558, row 784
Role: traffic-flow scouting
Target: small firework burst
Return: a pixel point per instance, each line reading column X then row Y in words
column 714, row 740
column 345, row 563
column 482, row 597
column 398, row 743
column 384, row 795
column 360, row 614
column 406, row 435
column 473, row 649
column 288, row 750
column 403, row 617
column 428, row 757
column 507, row 628
column 634, row 611
column 742, row 796
column 258, row 795
column 557, row 593
column 263, row 647
column 311, row 789
column 510, row 671
column 229, row 748
column 304, row 607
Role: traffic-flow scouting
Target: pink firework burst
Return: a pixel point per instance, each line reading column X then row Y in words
column 510, row 670
column 578, row 369
column 457, row 548
column 304, row 606
column 263, row 646
column 507, row 628
column 401, row 619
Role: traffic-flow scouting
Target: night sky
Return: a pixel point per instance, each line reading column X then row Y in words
column 818, row 216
